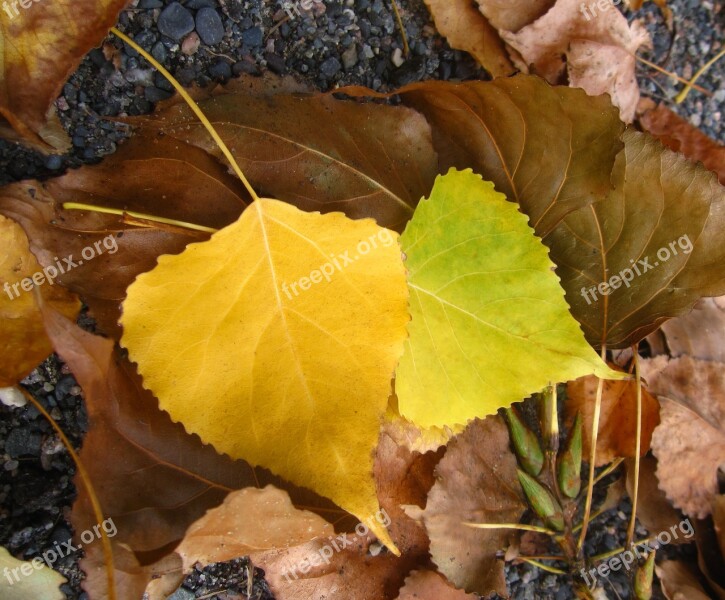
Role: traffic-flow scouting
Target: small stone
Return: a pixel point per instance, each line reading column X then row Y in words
column 275, row 63
column 253, row 36
column 221, row 70
column 12, row 396
column 22, row 442
column 53, row 162
column 397, row 58
column 190, row 44
column 330, row 67
column 175, row 21
column 209, row 26
column 146, row 4
column 159, row 52
column 197, row 4
column 349, row 57
column 154, row 94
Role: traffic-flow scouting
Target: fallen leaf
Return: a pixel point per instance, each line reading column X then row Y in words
column 512, row 15
column 466, row 29
column 417, row 439
column 161, row 479
column 598, row 50
column 28, row 579
column 700, row 333
column 677, row 134
column 21, row 325
column 281, row 311
column 618, row 418
column 657, row 237
column 718, row 517
column 476, row 482
column 489, row 323
column 429, row 585
column 41, row 44
column 689, row 443
column 653, row 509
column 680, row 581
column 250, row 520
column 710, row 558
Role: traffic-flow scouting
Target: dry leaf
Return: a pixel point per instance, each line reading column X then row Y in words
column 598, row 50
column 476, row 482
column 41, row 44
column 690, row 441
column 32, row 579
column 512, row 15
column 677, row 134
column 249, row 521
column 466, row 29
column 653, row 508
column 680, row 580
column 618, row 419
column 699, row 334
column 429, row 585
column 21, row 325
column 710, row 558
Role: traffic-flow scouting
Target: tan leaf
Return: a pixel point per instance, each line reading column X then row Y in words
column 680, row 580
column 250, row 520
column 21, row 326
column 679, row 135
column 601, row 40
column 466, row 29
column 700, row 333
column 512, row 15
column 429, row 585
column 41, row 43
column 618, row 419
column 690, row 441
column 476, row 482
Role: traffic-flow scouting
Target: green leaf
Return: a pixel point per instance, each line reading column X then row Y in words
column 542, row 501
column 489, row 322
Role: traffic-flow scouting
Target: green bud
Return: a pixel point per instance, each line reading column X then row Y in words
column 526, row 444
column 542, row 501
column 643, row 579
column 570, row 462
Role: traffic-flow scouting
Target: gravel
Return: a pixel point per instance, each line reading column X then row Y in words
column 339, row 42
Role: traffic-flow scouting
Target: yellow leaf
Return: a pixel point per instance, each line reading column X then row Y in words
column 275, row 341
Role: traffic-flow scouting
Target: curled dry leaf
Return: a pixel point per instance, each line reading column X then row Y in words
column 429, row 585
column 598, row 51
column 21, row 325
column 476, row 482
column 679, row 135
column 689, row 443
column 512, row 15
column 249, row 521
column 466, row 29
column 41, row 44
column 618, row 419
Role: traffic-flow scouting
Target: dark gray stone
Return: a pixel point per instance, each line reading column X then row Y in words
column 175, row 21
column 209, row 26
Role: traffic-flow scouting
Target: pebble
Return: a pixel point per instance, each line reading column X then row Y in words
column 330, row 67
column 190, row 44
column 159, row 52
column 221, row 70
column 254, row 36
column 349, row 57
column 209, row 26
column 175, row 21
column 397, row 58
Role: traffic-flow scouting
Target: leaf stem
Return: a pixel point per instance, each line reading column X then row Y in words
column 680, row 98
column 542, row 566
column 406, row 47
column 193, row 105
column 637, row 448
column 95, row 504
column 518, row 526
column 137, row 215
column 673, row 75
column 592, row 456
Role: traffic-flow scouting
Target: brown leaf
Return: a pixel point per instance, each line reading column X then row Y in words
column 41, row 46
column 21, row 325
column 599, row 50
column 160, row 480
column 476, row 482
column 690, row 441
column 466, row 29
column 618, row 418
column 429, row 585
column 710, row 558
column 680, row 580
column 699, row 334
column 653, row 508
column 354, row 566
column 678, row 135
column 249, row 521
column 512, row 15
